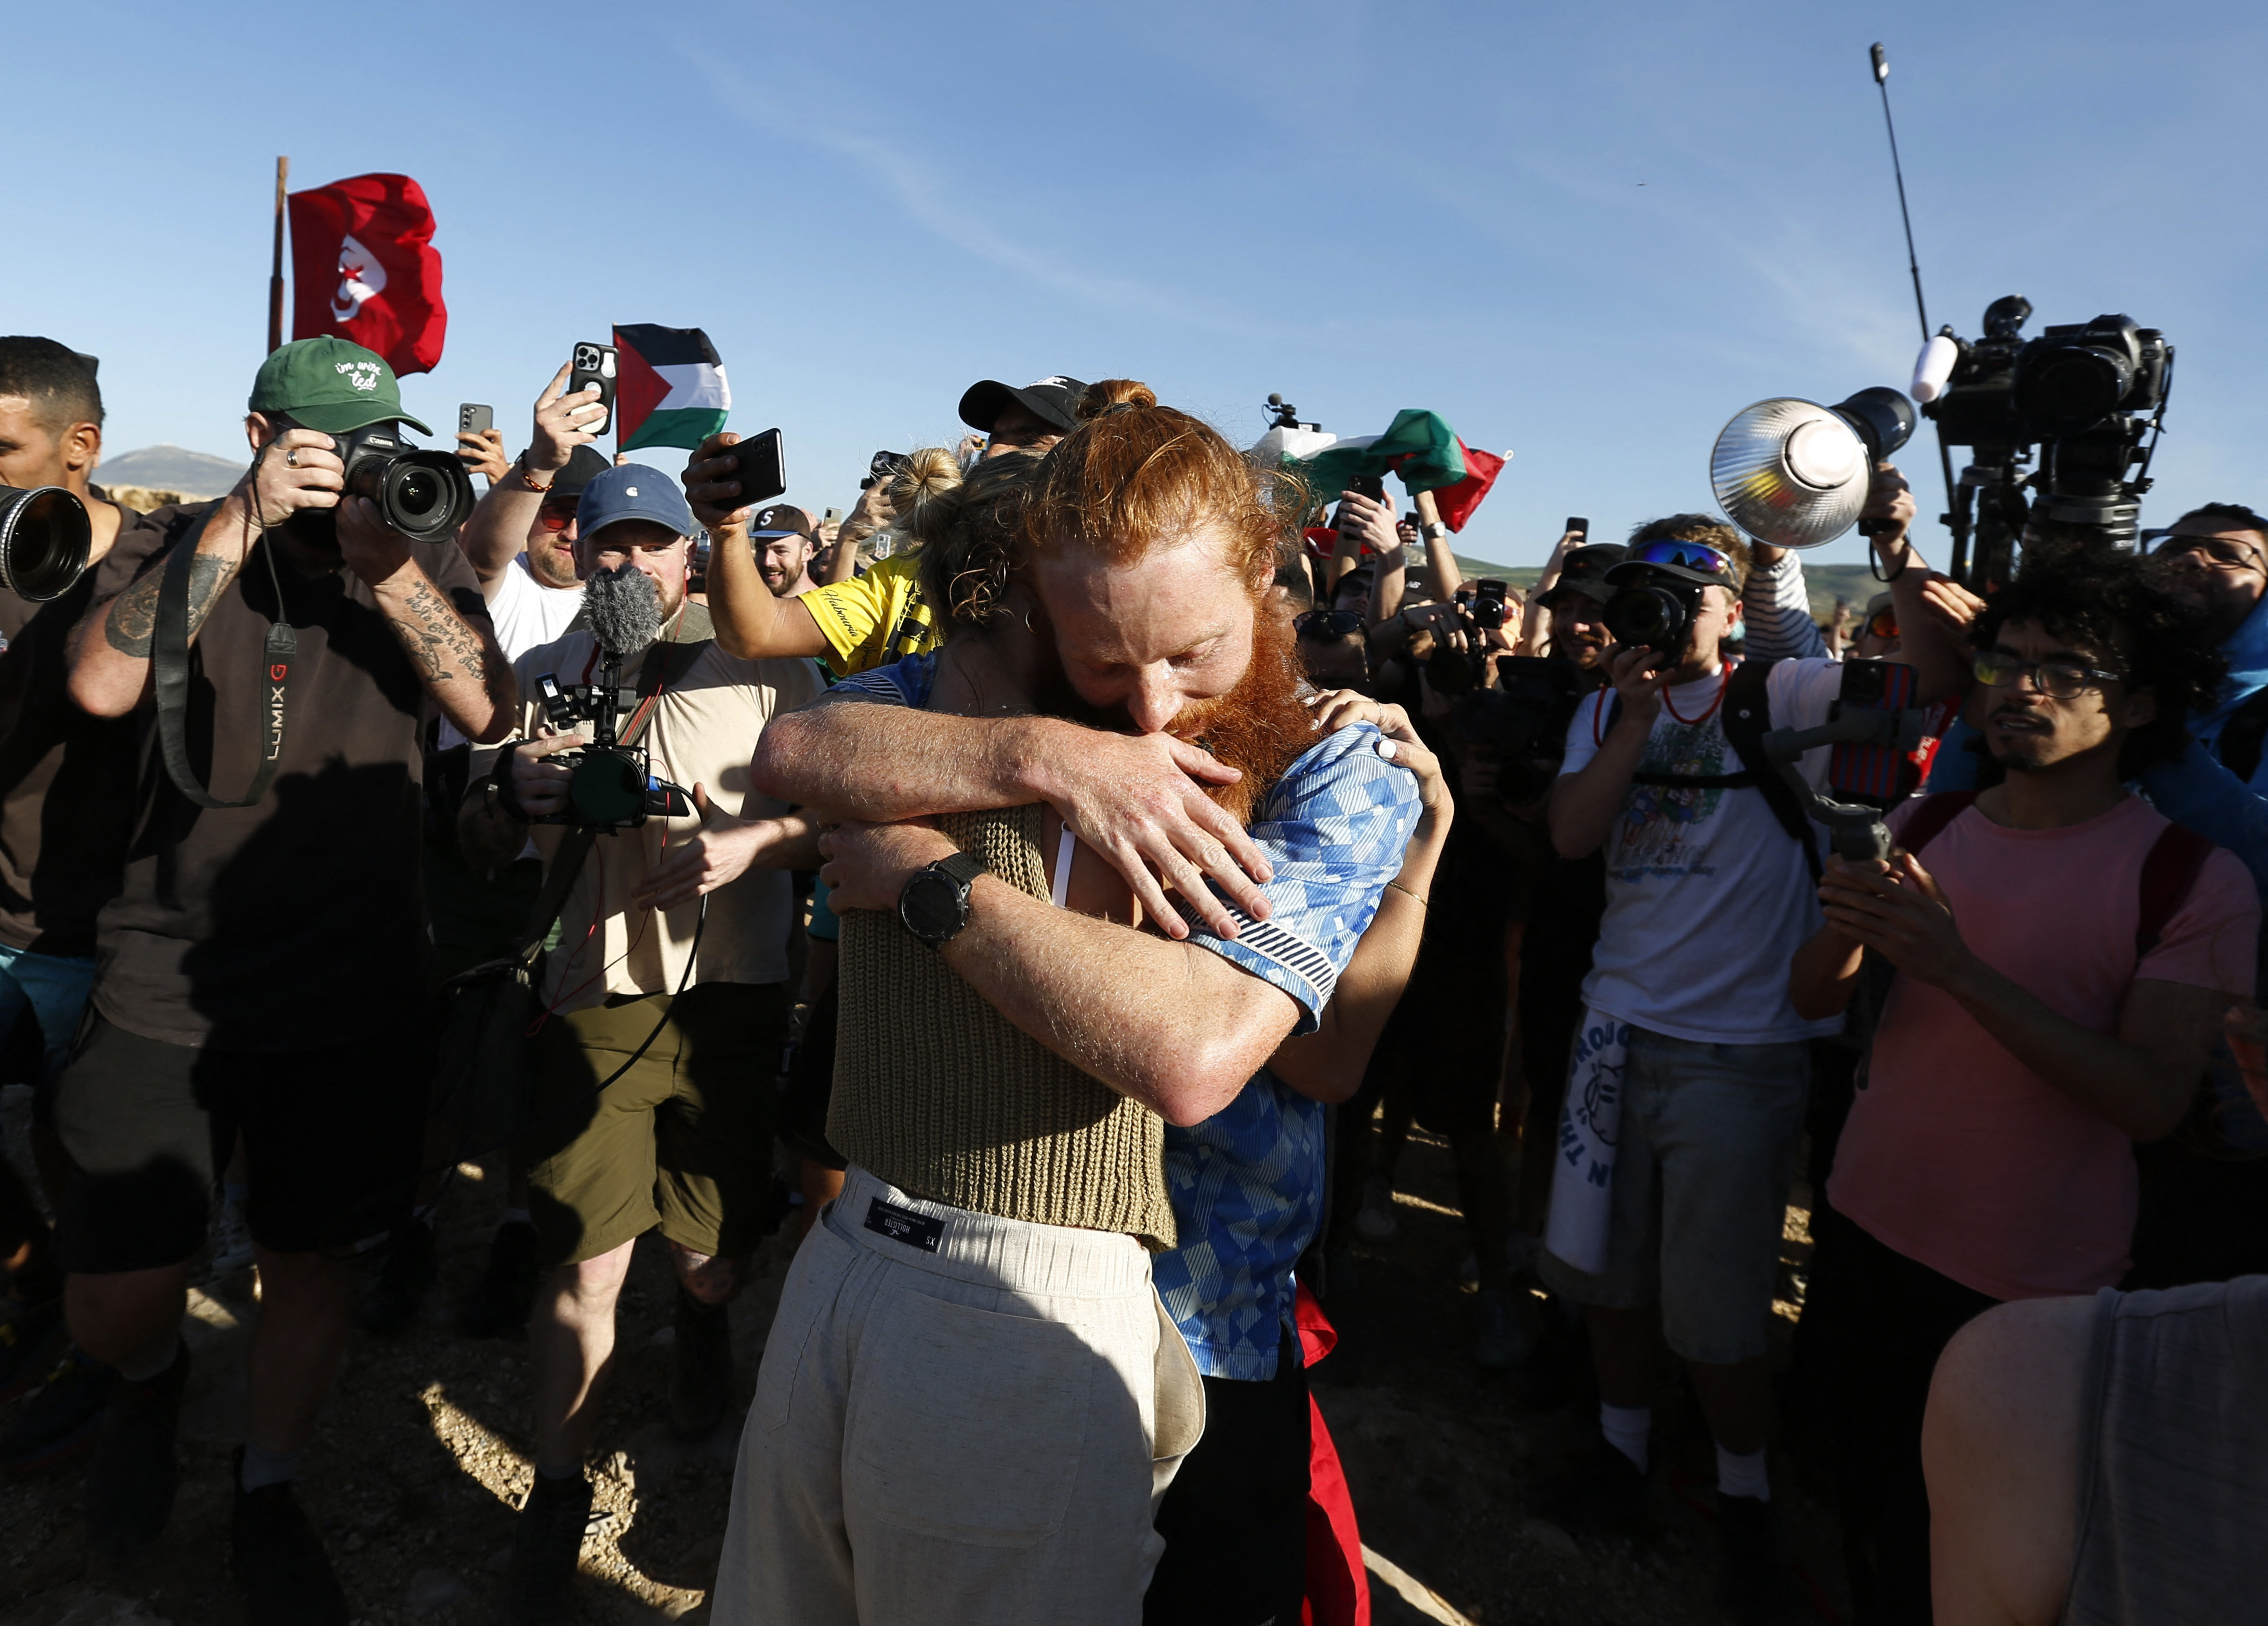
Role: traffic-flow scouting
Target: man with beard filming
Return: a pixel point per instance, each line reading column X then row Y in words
column 666, row 1001
column 264, row 964
column 1687, row 1084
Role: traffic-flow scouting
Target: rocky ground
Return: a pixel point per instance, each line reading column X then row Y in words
column 423, row 1456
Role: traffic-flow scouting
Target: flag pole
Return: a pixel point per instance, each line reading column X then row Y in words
column 275, row 270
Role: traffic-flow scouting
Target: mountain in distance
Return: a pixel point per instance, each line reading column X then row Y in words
column 169, row 468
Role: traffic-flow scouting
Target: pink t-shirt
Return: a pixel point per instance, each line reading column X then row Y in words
column 1958, row 1156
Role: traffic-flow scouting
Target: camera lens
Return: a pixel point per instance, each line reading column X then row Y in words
column 2071, row 388
column 1647, row 615
column 427, row 495
column 44, row 542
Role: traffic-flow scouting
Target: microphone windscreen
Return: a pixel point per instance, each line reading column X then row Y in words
column 623, row 608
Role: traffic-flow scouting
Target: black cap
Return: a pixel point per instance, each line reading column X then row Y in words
column 1052, row 400
column 783, row 519
column 1584, row 571
column 585, row 464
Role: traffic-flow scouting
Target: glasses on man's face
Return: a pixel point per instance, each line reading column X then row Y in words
column 1326, row 623
column 556, row 516
column 1684, row 555
column 2218, row 551
column 2057, row 679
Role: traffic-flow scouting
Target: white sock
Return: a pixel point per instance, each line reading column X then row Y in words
column 1627, row 1429
column 1743, row 1476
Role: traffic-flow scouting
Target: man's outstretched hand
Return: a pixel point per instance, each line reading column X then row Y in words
column 868, row 864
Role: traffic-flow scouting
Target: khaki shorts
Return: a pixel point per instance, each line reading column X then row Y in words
column 682, row 1140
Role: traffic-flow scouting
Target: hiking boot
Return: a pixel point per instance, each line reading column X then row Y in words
column 232, row 1240
column 61, row 1421
column 1375, row 1220
column 1758, row 1585
column 411, row 1262
column 498, row 1306
column 1599, row 1492
column 546, row 1543
column 32, row 1340
column 279, row 1560
column 701, row 1371
column 1501, row 1345
column 129, row 1483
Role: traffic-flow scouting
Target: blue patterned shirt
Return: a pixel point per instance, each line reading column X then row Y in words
column 1247, row 1184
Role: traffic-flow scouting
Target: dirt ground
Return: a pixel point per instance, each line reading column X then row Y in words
column 422, row 1455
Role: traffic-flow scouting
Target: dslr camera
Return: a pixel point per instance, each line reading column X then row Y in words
column 1658, row 616
column 611, row 785
column 1454, row 671
column 424, row 495
column 1524, row 719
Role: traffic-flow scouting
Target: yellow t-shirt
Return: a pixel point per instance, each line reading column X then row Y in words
column 872, row 620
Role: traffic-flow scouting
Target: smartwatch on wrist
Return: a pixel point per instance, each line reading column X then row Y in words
column 934, row 903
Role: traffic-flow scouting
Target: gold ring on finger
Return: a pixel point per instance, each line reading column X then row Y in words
column 292, row 457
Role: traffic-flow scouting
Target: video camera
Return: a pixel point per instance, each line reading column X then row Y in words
column 2083, row 396
column 45, row 539
column 611, row 784
column 1884, row 745
column 1524, row 719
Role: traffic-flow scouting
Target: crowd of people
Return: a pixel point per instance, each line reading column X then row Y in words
column 1055, row 890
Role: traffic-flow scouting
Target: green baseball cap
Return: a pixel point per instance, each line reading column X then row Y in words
column 330, row 385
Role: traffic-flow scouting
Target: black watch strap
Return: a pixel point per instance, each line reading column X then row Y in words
column 961, row 869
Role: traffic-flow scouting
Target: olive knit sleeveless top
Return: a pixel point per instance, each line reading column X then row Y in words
column 940, row 1094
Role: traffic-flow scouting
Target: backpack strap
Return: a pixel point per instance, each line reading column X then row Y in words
column 2238, row 744
column 1931, row 816
column 1748, row 718
column 2169, row 876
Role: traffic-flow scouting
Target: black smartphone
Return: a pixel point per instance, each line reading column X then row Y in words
column 594, row 363
column 759, row 464
column 884, row 465
column 1581, row 527
column 471, row 420
column 1372, row 486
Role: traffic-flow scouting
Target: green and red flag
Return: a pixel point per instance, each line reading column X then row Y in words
column 1419, row 447
column 670, row 387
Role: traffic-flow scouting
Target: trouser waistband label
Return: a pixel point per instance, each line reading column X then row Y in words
column 903, row 1224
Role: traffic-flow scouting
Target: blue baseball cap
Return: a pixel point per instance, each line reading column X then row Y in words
column 632, row 491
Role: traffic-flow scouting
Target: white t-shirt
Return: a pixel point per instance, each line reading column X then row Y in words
column 1707, row 897
column 526, row 615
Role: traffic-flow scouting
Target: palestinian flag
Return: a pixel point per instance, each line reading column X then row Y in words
column 1419, row 447
column 669, row 390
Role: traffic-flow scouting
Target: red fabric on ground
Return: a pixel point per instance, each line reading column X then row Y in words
column 1339, row 1588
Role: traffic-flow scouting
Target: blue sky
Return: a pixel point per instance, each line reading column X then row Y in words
column 1588, row 234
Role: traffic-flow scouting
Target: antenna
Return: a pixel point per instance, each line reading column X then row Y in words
column 1881, row 67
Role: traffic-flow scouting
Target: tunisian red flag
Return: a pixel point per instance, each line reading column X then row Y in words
column 364, row 268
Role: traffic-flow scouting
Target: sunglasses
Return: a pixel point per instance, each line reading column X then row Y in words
column 1883, row 624
column 1683, row 556
column 2057, row 679
column 558, row 516
column 1326, row 623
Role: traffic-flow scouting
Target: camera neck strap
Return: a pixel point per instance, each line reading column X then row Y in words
column 169, row 660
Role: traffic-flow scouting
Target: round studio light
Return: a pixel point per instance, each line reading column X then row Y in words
column 1790, row 473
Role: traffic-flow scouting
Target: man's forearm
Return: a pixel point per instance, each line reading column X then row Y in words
column 464, row 670
column 110, row 668
column 2124, row 1082
column 488, row 833
column 1824, row 974
column 496, row 532
column 1172, row 1025
column 886, row 763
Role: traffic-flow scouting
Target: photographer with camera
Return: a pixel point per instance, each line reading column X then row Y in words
column 856, row 623
column 2063, row 957
column 665, row 1003
column 264, row 961
column 65, row 817
column 1687, row 1084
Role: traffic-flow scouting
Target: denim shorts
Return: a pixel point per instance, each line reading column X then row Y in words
column 54, row 987
column 1704, row 1157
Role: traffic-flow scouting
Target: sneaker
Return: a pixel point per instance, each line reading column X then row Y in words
column 1501, row 1345
column 61, row 1421
column 130, row 1484
column 546, row 1543
column 279, row 1560
column 1600, row 1492
column 701, row 1371
column 1759, row 1587
column 498, row 1306
column 231, row 1245
column 32, row 1341
column 412, row 1261
column 1374, row 1221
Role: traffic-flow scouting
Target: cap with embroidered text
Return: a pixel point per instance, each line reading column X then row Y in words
column 330, row 385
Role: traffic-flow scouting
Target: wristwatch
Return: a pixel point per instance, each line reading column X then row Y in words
column 934, row 903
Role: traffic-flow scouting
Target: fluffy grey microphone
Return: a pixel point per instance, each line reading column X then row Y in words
column 623, row 609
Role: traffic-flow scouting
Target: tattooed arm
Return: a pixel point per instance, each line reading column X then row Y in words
column 457, row 660
column 110, row 665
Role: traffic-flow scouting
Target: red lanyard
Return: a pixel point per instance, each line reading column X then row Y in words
column 1598, row 712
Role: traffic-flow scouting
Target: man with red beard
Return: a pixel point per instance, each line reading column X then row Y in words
column 1145, row 547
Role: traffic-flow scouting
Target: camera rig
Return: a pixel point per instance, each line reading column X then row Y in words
column 1884, row 743
column 2080, row 398
column 611, row 785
